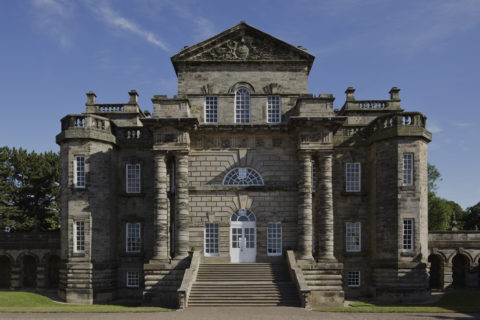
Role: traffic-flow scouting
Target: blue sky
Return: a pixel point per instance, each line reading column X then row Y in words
column 53, row 51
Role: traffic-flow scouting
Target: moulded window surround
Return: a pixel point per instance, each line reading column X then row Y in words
column 133, row 238
column 408, row 234
column 353, row 279
column 132, row 178
column 274, row 109
column 242, row 106
column 408, row 169
column 211, row 239
column 243, row 177
column 274, row 239
column 79, row 172
column 353, row 237
column 133, row 279
column 352, row 177
column 79, row 236
column 211, row 109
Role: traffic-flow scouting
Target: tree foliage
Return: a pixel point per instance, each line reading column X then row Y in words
column 441, row 212
column 29, row 189
column 472, row 218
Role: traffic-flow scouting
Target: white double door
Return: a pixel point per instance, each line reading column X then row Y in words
column 243, row 241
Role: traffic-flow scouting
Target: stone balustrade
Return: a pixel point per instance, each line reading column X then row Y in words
column 410, row 119
column 82, row 121
column 117, row 107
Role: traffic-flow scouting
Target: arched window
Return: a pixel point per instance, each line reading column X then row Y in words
column 243, row 177
column 243, row 215
column 242, row 106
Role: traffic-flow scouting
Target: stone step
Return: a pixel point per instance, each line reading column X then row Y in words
column 323, row 277
column 325, row 288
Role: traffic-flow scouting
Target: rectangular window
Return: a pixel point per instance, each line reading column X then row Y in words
column 79, row 172
column 274, row 239
column 408, row 234
column 133, row 279
column 133, row 237
column 211, row 109
column 353, row 278
column 274, row 110
column 408, row 169
column 353, row 236
column 133, row 178
column 211, row 239
column 352, row 177
column 79, row 236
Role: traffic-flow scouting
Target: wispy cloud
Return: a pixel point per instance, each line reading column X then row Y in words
column 52, row 16
column 462, row 124
column 106, row 14
column 433, row 126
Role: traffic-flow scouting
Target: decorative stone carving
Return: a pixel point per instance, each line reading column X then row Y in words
column 272, row 88
column 246, row 48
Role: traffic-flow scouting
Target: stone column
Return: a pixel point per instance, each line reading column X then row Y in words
column 160, row 248
column 325, row 244
column 304, row 218
column 181, row 205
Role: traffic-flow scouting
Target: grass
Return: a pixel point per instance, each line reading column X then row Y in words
column 34, row 302
column 466, row 301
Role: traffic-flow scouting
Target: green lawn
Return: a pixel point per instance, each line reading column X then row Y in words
column 453, row 301
column 33, row 302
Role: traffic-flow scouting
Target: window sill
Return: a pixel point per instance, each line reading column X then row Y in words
column 408, row 254
column 78, row 254
column 132, row 195
column 407, row 188
column 355, row 193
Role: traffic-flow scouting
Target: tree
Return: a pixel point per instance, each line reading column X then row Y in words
column 29, row 189
column 441, row 211
column 472, row 217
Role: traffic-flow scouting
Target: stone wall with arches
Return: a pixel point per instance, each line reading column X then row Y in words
column 454, row 259
column 29, row 260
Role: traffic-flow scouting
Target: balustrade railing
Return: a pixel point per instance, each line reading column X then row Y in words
column 81, row 121
column 408, row 119
column 117, row 107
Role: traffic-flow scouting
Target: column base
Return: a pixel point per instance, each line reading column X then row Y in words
column 156, row 260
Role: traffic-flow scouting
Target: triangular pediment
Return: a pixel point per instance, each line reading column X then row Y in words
column 243, row 43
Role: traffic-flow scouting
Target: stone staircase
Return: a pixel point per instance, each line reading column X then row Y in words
column 243, row 284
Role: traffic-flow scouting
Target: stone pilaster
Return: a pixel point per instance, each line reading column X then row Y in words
column 181, row 205
column 325, row 241
column 304, row 218
column 160, row 248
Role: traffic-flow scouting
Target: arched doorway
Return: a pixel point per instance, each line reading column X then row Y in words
column 460, row 270
column 243, row 237
column 29, row 271
column 436, row 271
column 53, row 268
column 5, row 272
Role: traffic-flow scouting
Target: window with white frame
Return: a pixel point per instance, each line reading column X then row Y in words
column 211, row 239
column 243, row 177
column 274, row 239
column 79, row 172
column 353, row 237
column 407, row 169
column 274, row 109
column 133, row 178
column 352, row 177
column 79, row 236
column 242, row 106
column 408, row 234
column 133, row 237
column 353, row 278
column 133, row 279
column 314, row 181
column 211, row 109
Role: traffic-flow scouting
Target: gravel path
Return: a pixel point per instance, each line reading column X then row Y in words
column 240, row 313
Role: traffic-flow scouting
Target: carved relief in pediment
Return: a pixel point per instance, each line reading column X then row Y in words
column 245, row 48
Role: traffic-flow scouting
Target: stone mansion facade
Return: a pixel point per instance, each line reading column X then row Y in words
column 243, row 165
